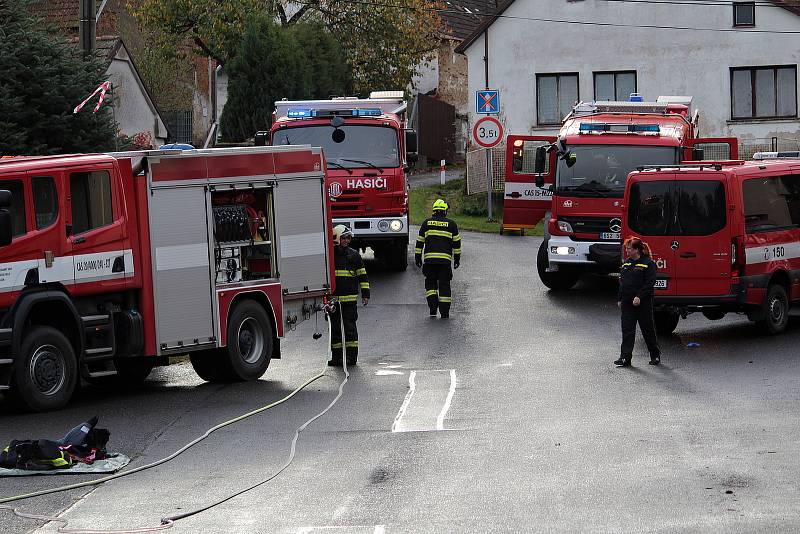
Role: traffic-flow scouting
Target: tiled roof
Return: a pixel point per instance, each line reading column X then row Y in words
column 461, row 17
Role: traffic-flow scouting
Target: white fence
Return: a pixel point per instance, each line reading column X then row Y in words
column 476, row 169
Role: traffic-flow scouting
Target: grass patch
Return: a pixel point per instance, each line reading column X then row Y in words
column 469, row 212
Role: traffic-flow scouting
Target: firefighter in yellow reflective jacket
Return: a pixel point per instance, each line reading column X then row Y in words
column 351, row 276
column 438, row 243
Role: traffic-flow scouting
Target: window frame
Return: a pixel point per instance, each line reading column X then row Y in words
column 557, row 76
column 792, row 226
column 113, row 208
column 737, row 5
column 753, row 92
column 615, row 73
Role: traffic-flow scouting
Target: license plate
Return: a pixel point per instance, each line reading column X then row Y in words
column 661, row 284
column 609, row 235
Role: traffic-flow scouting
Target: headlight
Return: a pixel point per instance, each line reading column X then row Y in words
column 396, row 225
column 565, row 227
column 383, row 225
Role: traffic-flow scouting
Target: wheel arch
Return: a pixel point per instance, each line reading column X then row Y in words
column 47, row 308
column 260, row 298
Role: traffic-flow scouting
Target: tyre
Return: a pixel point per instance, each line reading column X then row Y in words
column 46, row 373
column 212, row 365
column 250, row 340
column 560, row 280
column 775, row 310
column 666, row 322
column 397, row 256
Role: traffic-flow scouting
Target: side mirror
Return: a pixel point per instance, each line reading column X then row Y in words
column 698, row 154
column 540, row 162
column 412, row 158
column 411, row 141
column 261, row 139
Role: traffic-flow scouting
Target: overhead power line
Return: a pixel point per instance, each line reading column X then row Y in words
column 374, row 3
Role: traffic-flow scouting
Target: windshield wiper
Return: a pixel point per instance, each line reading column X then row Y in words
column 340, row 166
column 367, row 163
column 589, row 188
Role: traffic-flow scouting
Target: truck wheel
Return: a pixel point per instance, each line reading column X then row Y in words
column 397, row 256
column 560, row 280
column 46, row 374
column 212, row 365
column 250, row 337
column 775, row 310
column 666, row 322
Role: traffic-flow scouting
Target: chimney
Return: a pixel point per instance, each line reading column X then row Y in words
column 86, row 26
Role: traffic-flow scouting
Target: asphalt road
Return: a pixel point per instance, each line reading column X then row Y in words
column 508, row 417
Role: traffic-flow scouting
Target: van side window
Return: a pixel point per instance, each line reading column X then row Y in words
column 45, row 201
column 701, row 207
column 17, row 208
column 649, row 208
column 771, row 203
column 91, row 200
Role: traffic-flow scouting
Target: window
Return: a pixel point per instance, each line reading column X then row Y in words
column 614, row 85
column 701, row 207
column 764, row 92
column 556, row 94
column 524, row 161
column 649, row 208
column 45, row 201
column 679, row 208
column 91, row 200
column 771, row 203
column 363, row 146
column 17, row 209
column 744, row 13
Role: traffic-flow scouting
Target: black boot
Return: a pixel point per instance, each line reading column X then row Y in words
column 335, row 363
column 432, row 312
column 622, row 361
column 655, row 359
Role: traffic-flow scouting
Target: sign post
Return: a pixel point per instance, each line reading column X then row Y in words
column 488, row 133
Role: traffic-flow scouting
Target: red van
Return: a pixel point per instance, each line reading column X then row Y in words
column 725, row 237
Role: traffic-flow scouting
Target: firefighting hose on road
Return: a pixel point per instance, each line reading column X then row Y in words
column 168, row 522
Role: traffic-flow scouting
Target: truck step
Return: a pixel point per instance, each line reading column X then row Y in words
column 3, row 388
column 101, row 350
column 5, row 361
column 100, row 374
column 94, row 320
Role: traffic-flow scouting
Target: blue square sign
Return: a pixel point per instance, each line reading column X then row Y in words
column 487, row 101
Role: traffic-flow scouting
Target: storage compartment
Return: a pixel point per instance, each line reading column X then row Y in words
column 243, row 240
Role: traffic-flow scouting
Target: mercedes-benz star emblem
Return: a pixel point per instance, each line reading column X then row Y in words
column 615, row 225
column 674, row 245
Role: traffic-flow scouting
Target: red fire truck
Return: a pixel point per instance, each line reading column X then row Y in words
column 368, row 148
column 725, row 236
column 598, row 145
column 111, row 263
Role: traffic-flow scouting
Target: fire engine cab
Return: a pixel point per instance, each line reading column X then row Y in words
column 369, row 149
column 576, row 180
column 725, row 237
column 111, row 263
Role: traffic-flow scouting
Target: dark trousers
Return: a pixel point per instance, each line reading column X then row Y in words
column 642, row 314
column 437, row 287
column 344, row 313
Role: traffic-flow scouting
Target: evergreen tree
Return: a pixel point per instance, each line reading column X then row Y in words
column 43, row 79
column 326, row 70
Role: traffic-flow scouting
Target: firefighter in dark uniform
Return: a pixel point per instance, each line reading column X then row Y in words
column 438, row 237
column 351, row 276
column 637, row 278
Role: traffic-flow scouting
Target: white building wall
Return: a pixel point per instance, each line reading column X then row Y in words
column 427, row 79
column 666, row 61
column 133, row 110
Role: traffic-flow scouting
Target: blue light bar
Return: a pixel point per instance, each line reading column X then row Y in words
column 636, row 97
column 593, row 127
column 369, row 112
column 295, row 113
column 587, row 127
column 644, row 128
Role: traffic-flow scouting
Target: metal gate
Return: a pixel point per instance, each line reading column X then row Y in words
column 476, row 169
column 436, row 129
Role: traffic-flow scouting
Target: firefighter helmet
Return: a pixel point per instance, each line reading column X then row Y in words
column 340, row 231
column 440, row 205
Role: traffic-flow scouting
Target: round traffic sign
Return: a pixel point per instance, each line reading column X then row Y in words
column 487, row 132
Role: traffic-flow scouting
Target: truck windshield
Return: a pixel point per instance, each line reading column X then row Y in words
column 601, row 170
column 363, row 145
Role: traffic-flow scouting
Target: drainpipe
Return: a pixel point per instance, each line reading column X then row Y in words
column 86, row 26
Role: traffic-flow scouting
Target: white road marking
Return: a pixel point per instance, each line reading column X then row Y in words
column 430, row 394
column 386, row 372
column 450, row 393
